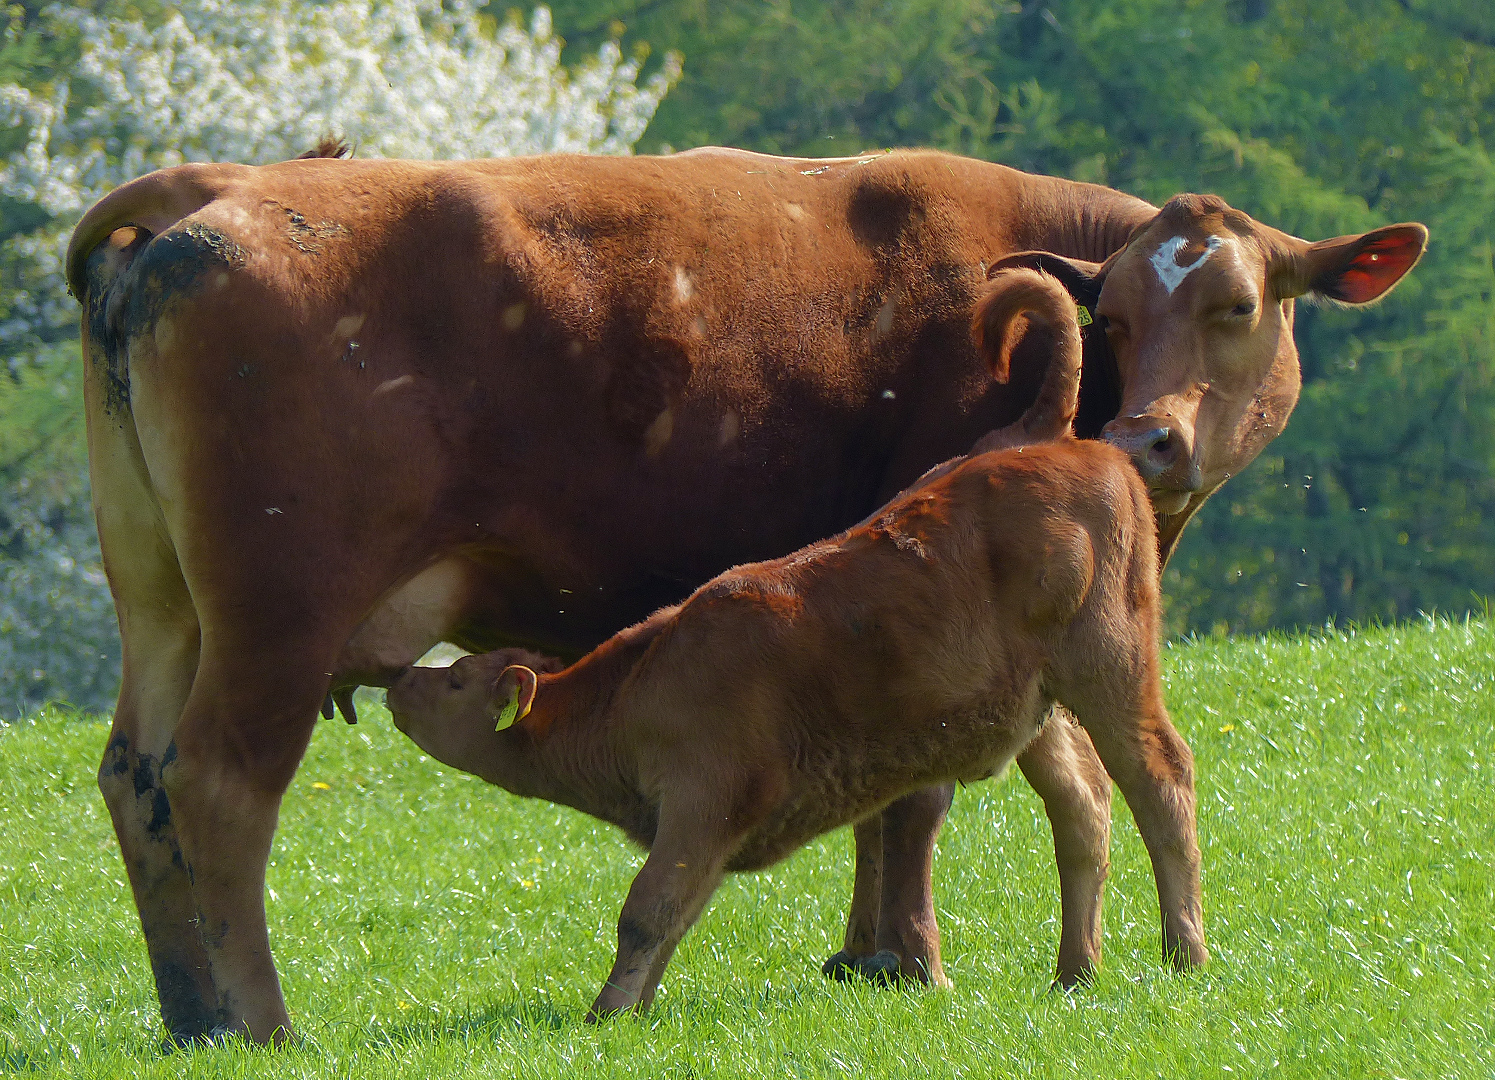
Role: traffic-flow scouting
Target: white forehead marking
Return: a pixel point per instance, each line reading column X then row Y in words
column 1169, row 272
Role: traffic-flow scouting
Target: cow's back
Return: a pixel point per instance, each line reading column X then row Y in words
column 592, row 373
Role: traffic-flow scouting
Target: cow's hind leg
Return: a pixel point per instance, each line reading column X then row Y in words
column 236, row 749
column 159, row 631
column 1061, row 765
column 159, row 661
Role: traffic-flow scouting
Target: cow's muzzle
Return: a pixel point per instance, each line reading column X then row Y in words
column 1162, row 449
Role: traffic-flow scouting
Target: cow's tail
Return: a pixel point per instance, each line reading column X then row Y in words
column 149, row 206
column 108, row 242
column 1022, row 291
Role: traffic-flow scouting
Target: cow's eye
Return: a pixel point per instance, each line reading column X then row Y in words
column 1244, row 309
column 454, row 681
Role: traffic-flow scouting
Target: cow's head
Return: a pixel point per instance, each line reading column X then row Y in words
column 1190, row 366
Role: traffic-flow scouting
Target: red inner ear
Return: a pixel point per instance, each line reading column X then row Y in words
column 1378, row 265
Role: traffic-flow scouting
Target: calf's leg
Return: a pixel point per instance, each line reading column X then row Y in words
column 892, row 930
column 1062, row 767
column 683, row 869
column 1154, row 768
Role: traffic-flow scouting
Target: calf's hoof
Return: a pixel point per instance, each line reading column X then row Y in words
column 1072, row 982
column 1079, row 977
column 1185, row 957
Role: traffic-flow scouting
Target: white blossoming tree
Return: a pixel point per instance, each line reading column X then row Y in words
column 250, row 81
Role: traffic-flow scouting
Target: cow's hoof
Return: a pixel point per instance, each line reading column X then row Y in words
column 1067, row 981
column 881, row 969
column 842, row 967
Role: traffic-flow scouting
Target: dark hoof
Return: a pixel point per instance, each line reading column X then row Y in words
column 1073, row 982
column 842, row 967
column 880, row 969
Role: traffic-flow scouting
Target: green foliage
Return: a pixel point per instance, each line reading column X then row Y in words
column 1317, row 116
column 1320, row 117
column 426, row 924
column 58, row 639
column 836, row 76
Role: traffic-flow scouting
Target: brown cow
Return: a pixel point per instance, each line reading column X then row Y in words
column 786, row 698
column 341, row 410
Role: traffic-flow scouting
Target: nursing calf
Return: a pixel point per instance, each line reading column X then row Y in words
column 786, row 698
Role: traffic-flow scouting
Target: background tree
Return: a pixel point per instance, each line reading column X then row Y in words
column 1317, row 116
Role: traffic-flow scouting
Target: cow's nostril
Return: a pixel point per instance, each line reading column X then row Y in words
column 1158, row 441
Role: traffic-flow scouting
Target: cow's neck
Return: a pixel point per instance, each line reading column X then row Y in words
column 1079, row 221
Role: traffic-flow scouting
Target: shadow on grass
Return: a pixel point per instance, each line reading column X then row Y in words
column 537, row 1015
column 526, row 1014
column 15, row 1061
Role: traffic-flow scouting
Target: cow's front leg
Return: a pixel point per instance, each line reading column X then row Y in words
column 908, row 935
column 891, row 931
column 866, row 902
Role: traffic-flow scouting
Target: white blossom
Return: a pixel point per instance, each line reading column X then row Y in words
column 263, row 80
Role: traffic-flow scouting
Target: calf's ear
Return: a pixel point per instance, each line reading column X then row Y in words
column 1354, row 269
column 1082, row 279
column 1100, row 384
column 512, row 695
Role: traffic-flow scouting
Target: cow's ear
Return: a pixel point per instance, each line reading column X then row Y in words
column 512, row 695
column 1355, row 269
column 1082, row 279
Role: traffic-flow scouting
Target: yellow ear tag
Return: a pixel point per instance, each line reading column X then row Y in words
column 510, row 712
column 1082, row 315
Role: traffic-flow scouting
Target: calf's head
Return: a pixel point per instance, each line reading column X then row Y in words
column 490, row 691
column 1190, row 366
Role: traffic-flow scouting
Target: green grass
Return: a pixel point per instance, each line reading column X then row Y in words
column 426, row 924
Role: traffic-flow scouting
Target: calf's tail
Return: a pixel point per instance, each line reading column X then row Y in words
column 1022, row 291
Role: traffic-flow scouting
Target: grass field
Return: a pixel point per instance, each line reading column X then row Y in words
column 426, row 924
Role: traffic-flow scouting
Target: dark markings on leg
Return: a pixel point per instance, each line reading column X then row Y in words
column 213, row 938
column 187, row 1015
column 632, row 934
column 119, row 749
column 1170, row 752
column 145, row 776
column 160, row 815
